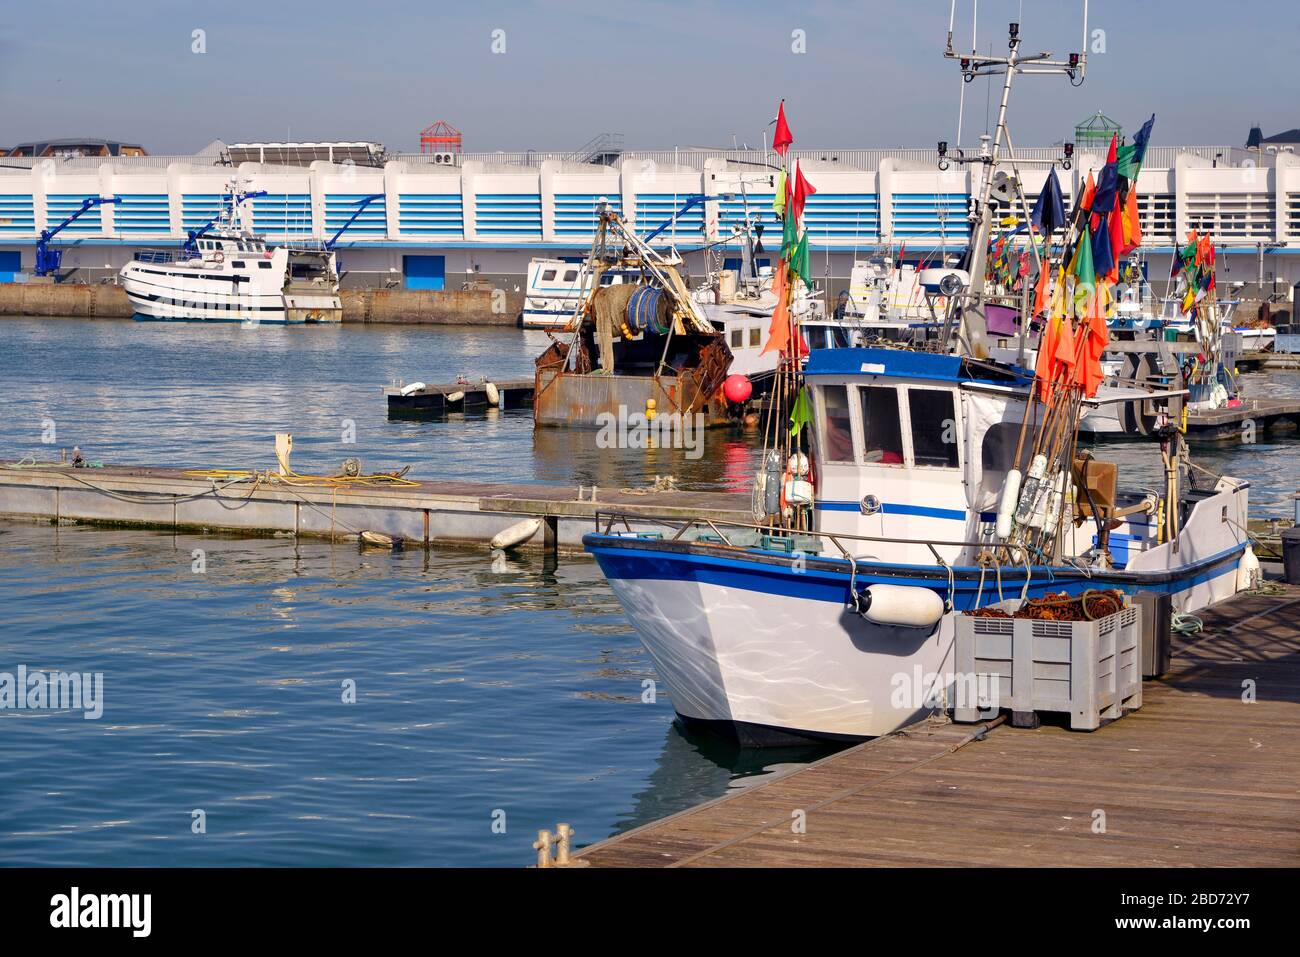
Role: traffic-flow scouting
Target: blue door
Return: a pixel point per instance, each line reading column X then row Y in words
column 10, row 263
column 424, row 272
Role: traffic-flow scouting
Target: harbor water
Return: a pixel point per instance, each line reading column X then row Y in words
column 491, row 698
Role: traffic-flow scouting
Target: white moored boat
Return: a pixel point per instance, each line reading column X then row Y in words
column 936, row 481
column 225, row 273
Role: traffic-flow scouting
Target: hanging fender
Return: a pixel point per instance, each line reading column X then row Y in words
column 908, row 606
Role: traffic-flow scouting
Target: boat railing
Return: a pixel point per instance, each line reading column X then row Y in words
column 161, row 257
column 681, row 526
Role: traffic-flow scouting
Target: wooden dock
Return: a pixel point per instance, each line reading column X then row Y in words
column 1263, row 415
column 439, row 399
column 420, row 513
column 1196, row 777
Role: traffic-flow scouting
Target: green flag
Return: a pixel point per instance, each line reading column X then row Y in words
column 1083, row 270
column 789, row 235
column 800, row 415
column 799, row 262
column 1128, row 162
column 778, row 198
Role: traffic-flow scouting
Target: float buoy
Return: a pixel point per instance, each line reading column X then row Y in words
column 413, row 387
column 737, row 388
column 516, row 534
column 493, row 393
column 455, row 396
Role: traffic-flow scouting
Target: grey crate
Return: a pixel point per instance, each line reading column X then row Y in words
column 1091, row 670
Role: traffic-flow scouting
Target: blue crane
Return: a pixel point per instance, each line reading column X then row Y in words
column 361, row 206
column 49, row 258
column 191, row 244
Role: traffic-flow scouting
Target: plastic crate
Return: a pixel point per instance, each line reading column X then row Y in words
column 1091, row 670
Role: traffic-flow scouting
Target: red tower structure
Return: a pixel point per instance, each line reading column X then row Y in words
column 441, row 137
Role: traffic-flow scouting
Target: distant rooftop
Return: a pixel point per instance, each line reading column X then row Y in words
column 1257, row 140
column 76, row 146
column 303, row 154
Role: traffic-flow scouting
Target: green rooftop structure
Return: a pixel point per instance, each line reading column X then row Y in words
column 1097, row 130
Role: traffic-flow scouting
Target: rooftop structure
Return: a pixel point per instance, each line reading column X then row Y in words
column 304, row 154
column 75, row 146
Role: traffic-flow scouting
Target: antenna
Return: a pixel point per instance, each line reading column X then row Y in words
column 972, row 336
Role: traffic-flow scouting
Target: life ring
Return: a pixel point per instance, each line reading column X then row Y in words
column 218, row 257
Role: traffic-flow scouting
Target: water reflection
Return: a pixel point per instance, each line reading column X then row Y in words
column 696, row 762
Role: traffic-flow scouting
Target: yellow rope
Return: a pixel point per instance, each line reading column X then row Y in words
column 373, row 480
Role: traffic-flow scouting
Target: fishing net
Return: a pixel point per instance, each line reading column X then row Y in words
column 1062, row 606
column 609, row 305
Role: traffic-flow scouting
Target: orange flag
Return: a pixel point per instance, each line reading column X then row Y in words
column 778, row 334
column 1095, row 342
column 1040, row 291
column 1045, row 362
column 1132, row 224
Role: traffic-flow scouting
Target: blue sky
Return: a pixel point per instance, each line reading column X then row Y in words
column 662, row 72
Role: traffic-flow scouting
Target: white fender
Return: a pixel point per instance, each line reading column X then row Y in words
column 493, row 393
column 516, row 534
column 907, row 605
column 1248, row 571
column 1007, row 507
column 455, row 396
column 413, row 387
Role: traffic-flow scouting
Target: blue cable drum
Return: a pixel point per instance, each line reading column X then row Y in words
column 643, row 310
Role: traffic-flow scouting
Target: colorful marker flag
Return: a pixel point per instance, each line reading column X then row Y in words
column 778, row 333
column 802, row 189
column 1049, row 209
column 801, row 414
column 778, row 198
column 800, row 264
column 782, row 138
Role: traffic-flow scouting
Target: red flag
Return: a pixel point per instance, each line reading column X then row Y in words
column 782, row 138
column 802, row 189
column 1116, row 224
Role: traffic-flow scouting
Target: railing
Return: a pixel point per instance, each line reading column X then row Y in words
column 864, row 159
column 682, row 526
column 161, row 257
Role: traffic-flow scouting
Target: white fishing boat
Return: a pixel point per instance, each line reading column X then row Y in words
column 933, row 483
column 226, row 273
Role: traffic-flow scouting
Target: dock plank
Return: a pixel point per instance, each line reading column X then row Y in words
column 1197, row 777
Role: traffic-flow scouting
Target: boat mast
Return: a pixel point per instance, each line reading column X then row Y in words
column 973, row 331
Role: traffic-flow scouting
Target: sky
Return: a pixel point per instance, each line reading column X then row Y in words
column 550, row 74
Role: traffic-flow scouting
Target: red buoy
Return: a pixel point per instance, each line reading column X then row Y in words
column 737, row 388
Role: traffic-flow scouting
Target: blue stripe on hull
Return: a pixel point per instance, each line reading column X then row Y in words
column 833, row 586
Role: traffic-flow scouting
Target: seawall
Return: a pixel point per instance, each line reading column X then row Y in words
column 407, row 306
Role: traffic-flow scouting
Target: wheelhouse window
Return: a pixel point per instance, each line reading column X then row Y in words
column 737, row 338
column 934, row 427
column 570, row 275
column 755, row 335
column 836, row 428
column 548, row 275
column 998, row 450
column 882, row 435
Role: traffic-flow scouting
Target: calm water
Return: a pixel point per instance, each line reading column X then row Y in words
column 479, row 690
column 515, row 689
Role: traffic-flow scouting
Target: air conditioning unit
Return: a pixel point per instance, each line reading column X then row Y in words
column 444, row 159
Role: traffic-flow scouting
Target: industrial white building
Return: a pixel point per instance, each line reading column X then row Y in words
column 442, row 221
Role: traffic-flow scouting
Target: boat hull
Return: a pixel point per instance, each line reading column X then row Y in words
column 772, row 649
